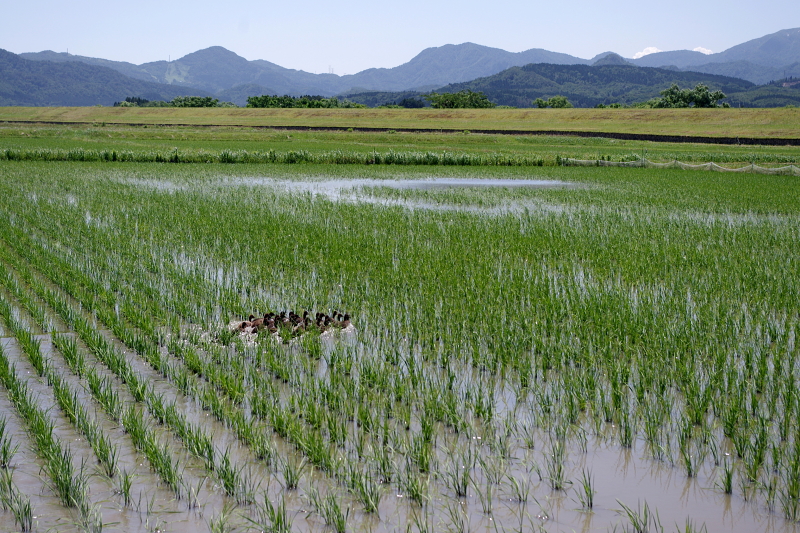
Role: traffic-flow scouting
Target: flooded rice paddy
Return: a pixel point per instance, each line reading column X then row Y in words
column 373, row 191
column 587, row 358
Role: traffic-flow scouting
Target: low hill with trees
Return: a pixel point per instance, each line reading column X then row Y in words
column 588, row 86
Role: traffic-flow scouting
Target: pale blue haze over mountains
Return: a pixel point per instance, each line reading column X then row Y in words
column 107, row 67
column 349, row 37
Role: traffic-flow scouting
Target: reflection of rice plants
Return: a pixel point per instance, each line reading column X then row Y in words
column 414, row 486
column 124, row 484
column 272, row 517
column 459, row 519
column 586, row 490
column 690, row 527
column 220, row 523
column 331, row 511
column 642, row 519
column 18, row 503
column 91, row 518
column 485, row 495
column 555, row 466
column 7, row 449
column 520, row 490
column 293, row 472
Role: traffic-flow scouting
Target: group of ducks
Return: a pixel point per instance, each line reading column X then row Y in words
column 295, row 323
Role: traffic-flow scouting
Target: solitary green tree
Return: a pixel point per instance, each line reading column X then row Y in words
column 194, row 101
column 559, row 102
column 461, row 99
column 700, row 96
column 556, row 102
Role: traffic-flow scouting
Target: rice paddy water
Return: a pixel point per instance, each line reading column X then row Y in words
column 532, row 348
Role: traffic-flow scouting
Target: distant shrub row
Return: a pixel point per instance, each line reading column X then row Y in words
column 287, row 101
column 179, row 101
column 338, row 157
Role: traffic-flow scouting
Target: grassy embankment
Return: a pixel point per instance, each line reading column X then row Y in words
column 781, row 122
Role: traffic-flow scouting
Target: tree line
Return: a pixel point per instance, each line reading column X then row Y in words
column 179, row 101
column 673, row 97
column 306, row 101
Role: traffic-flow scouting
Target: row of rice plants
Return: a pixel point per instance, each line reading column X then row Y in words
column 206, row 395
column 234, row 480
column 144, row 437
column 334, row 157
column 423, row 419
column 67, row 482
column 11, row 497
column 66, row 397
column 197, row 440
column 368, row 492
column 105, row 393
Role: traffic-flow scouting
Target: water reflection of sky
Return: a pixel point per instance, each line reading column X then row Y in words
column 352, row 190
column 335, row 187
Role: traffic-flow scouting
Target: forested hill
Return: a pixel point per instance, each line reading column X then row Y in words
column 587, row 86
column 45, row 83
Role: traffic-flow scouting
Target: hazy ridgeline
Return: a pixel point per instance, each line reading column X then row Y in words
column 498, row 349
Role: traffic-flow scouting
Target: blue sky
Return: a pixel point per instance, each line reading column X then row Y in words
column 351, row 36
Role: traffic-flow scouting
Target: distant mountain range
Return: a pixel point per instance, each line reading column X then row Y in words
column 216, row 70
column 229, row 77
column 772, row 57
column 775, row 50
column 43, row 83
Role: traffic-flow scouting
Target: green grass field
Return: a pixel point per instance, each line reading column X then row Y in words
column 214, row 140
